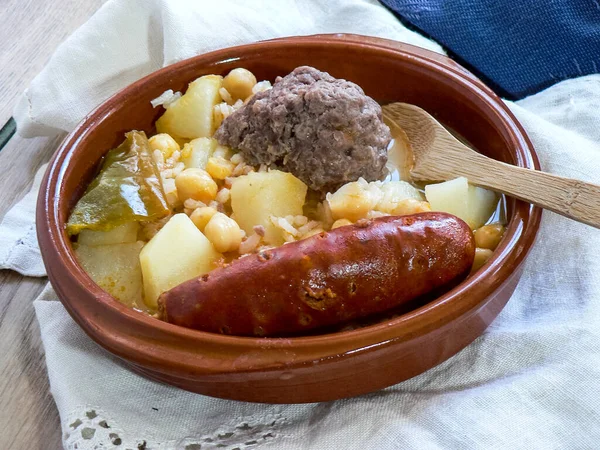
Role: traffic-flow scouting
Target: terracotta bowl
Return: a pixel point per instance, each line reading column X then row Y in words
column 303, row 369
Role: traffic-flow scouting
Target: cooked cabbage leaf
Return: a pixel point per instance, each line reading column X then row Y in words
column 127, row 189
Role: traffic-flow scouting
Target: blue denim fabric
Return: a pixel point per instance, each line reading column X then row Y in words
column 517, row 47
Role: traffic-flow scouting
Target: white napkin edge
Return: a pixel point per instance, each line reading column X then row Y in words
column 19, row 250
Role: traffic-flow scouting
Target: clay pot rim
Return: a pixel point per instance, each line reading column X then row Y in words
column 469, row 295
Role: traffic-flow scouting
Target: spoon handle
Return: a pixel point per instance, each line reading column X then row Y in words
column 575, row 199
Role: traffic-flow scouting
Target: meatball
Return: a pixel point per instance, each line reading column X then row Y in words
column 323, row 130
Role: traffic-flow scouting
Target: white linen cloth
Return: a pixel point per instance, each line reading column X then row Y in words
column 530, row 382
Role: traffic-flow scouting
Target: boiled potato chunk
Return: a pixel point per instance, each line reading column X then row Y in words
column 451, row 197
column 259, row 195
column 394, row 194
column 191, row 116
column 482, row 204
column 177, row 253
column 472, row 204
column 196, row 153
column 115, row 268
column 123, row 234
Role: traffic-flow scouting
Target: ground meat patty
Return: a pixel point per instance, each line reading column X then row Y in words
column 325, row 131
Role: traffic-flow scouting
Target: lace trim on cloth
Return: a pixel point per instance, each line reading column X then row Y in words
column 88, row 428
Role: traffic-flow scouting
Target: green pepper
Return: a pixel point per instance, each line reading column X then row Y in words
column 127, row 189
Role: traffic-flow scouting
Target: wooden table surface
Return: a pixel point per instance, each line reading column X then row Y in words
column 31, row 30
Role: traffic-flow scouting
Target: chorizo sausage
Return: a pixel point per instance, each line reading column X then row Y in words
column 330, row 278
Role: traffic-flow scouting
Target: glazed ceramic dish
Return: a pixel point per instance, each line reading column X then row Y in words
column 311, row 368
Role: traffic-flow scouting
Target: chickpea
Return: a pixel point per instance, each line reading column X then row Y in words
column 219, row 168
column 196, row 184
column 489, row 236
column 481, row 257
column 340, row 223
column 165, row 143
column 223, row 232
column 239, row 83
column 201, row 216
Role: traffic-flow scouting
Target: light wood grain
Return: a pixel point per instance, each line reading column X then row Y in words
column 28, row 415
column 19, row 161
column 440, row 156
column 30, row 32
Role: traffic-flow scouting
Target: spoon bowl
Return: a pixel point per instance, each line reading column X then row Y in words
column 438, row 156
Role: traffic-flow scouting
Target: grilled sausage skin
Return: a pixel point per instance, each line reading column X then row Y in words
column 336, row 276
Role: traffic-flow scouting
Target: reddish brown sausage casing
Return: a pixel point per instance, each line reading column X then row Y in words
column 347, row 273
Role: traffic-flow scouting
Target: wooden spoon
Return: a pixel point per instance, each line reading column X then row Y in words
column 437, row 155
